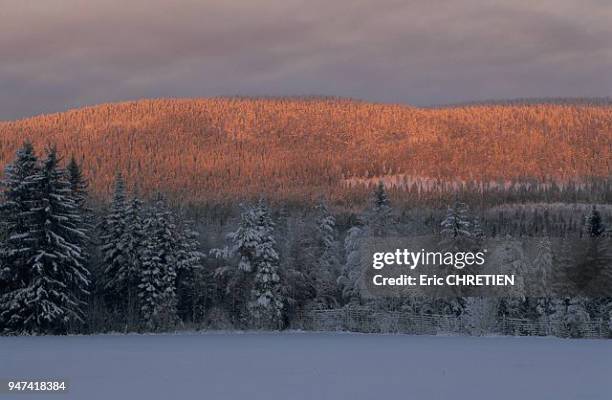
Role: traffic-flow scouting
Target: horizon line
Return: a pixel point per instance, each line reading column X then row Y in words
column 570, row 100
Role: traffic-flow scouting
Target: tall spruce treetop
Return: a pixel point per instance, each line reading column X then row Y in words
column 78, row 191
column 78, row 183
column 326, row 226
column 456, row 229
column 244, row 240
column 112, row 237
column 379, row 216
column 189, row 257
column 594, row 226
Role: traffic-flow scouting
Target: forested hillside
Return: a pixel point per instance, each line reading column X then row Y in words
column 296, row 149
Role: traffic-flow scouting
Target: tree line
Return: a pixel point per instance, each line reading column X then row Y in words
column 139, row 264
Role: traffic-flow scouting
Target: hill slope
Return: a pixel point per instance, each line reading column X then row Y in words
column 294, row 148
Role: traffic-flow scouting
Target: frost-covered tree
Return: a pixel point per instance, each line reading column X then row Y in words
column 593, row 224
column 132, row 245
column 253, row 279
column 456, row 235
column 115, row 257
column 576, row 317
column 78, row 191
column 478, row 234
column 188, row 269
column 511, row 261
column 326, row 263
column 19, row 199
column 51, row 300
column 543, row 267
column 238, row 263
column 19, row 196
column 350, row 280
column 379, row 216
column 157, row 275
column 78, row 184
column 540, row 281
column 456, row 229
column 266, row 304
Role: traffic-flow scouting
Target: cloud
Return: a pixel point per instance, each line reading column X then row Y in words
column 63, row 53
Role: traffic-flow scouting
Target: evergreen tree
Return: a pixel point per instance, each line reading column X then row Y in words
column 19, row 198
column 240, row 255
column 478, row 234
column 157, row 278
column 380, row 218
column 511, row 260
column 115, row 258
column 78, row 192
column 132, row 244
column 543, row 266
column 456, row 236
column 350, row 279
column 189, row 270
column 253, row 281
column 456, row 229
column 266, row 304
column 594, row 226
column 327, row 264
column 52, row 298
column 576, row 317
column 78, row 185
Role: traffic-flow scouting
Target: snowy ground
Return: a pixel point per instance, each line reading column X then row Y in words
column 291, row 366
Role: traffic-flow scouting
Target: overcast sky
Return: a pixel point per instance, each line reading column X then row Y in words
column 60, row 54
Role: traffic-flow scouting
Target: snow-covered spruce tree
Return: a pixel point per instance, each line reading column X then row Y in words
column 478, row 234
column 19, row 198
column 52, row 299
column 456, row 235
column 593, row 224
column 189, row 270
column 115, row 258
column 266, row 304
column 541, row 280
column 576, row 317
column 157, row 278
column 379, row 216
column 253, row 280
column 595, row 268
column 78, row 192
column 456, row 229
column 543, row 266
column 327, row 263
column 238, row 258
column 511, row 261
column 349, row 281
column 132, row 244
column 78, row 185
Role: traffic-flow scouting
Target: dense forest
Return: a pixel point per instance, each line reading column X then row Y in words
column 71, row 265
column 294, row 150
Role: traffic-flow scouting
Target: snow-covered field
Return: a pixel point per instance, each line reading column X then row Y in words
column 317, row 366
